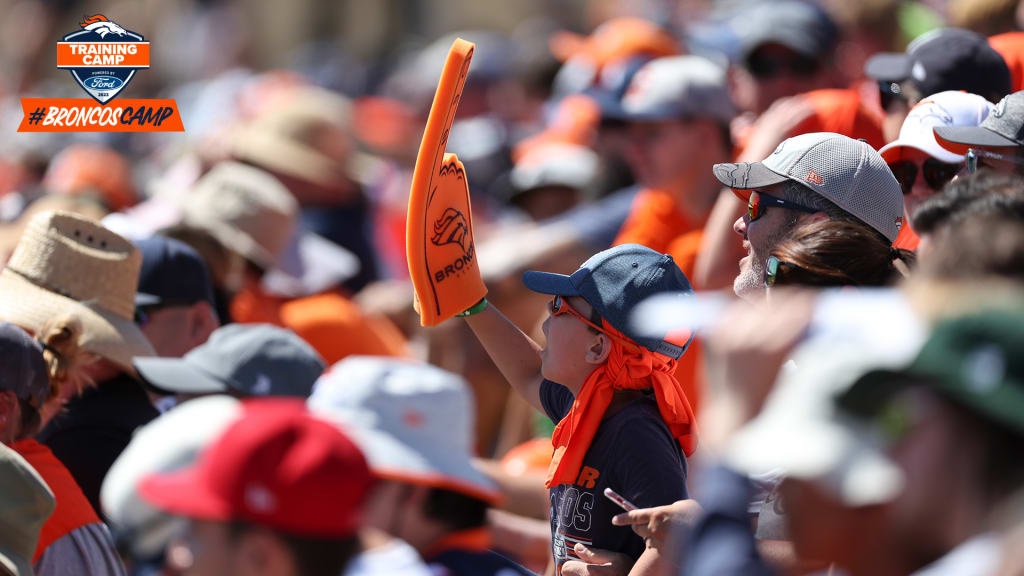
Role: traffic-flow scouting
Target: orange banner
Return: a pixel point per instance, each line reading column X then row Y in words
column 102, row 54
column 86, row 115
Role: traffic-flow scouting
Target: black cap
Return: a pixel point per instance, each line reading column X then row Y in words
column 800, row 26
column 946, row 59
column 1003, row 128
column 172, row 273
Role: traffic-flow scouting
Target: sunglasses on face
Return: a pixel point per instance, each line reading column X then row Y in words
column 771, row 270
column 560, row 305
column 936, row 174
column 769, row 65
column 891, row 93
column 759, row 202
column 978, row 158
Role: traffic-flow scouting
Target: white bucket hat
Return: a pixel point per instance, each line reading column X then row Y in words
column 413, row 421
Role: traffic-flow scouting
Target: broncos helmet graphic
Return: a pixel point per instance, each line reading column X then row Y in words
column 451, row 228
column 102, row 56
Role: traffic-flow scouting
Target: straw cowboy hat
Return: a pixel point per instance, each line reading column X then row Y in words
column 67, row 264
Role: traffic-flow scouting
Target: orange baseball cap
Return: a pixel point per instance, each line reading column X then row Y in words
column 615, row 39
column 86, row 169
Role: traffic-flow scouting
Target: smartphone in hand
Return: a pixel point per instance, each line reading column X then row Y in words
column 618, row 499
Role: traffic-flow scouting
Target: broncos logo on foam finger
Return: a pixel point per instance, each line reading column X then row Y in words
column 451, row 228
column 99, row 24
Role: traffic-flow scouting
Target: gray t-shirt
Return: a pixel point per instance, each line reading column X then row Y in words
column 85, row 551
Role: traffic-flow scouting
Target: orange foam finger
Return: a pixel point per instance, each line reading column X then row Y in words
column 439, row 242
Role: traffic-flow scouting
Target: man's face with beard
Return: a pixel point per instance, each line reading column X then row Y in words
column 759, row 237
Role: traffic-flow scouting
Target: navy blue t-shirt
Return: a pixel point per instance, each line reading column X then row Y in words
column 469, row 563
column 634, row 454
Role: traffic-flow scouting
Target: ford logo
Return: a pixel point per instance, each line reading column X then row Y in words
column 103, row 83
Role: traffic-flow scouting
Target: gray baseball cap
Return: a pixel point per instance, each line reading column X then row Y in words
column 24, row 370
column 676, row 87
column 241, row 359
column 847, row 172
column 1003, row 128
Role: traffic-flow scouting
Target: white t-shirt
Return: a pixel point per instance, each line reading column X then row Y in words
column 394, row 558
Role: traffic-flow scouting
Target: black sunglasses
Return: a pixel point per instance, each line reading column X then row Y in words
column 759, row 202
column 771, row 270
column 769, row 66
column 936, row 174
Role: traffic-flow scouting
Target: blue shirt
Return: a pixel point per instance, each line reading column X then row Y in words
column 634, row 454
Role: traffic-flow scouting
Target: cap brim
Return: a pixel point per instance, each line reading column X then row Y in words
column 549, row 283
column 743, row 176
column 177, row 376
column 105, row 334
column 14, row 563
column 894, row 66
column 183, row 494
column 390, row 458
column 958, row 139
column 818, row 450
column 309, row 265
column 893, row 152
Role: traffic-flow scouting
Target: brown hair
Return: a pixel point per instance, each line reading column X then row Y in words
column 839, row 253
column 65, row 359
column 981, row 246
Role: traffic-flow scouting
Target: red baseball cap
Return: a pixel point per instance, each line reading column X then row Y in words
column 277, row 466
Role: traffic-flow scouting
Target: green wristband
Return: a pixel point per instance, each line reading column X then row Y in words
column 475, row 309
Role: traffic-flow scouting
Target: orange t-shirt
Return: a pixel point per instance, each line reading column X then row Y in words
column 331, row 323
column 73, row 509
column 655, row 222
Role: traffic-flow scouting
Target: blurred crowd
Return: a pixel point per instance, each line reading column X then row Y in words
column 755, row 305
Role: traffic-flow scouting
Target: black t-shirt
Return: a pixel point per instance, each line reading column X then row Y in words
column 634, row 454
column 469, row 563
column 95, row 428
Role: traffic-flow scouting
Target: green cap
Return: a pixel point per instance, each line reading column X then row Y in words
column 976, row 361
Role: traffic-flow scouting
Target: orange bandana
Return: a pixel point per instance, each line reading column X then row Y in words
column 629, row 367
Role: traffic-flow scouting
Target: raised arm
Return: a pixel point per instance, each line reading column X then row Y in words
column 515, row 354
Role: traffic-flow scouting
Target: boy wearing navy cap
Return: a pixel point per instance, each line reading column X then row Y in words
column 623, row 420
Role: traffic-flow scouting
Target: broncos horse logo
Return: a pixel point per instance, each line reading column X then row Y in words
column 99, row 24
column 451, row 228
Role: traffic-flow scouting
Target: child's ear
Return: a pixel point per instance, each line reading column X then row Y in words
column 599, row 349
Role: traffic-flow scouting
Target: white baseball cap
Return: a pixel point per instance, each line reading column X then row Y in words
column 171, row 442
column 949, row 108
column 847, row 172
column 413, row 421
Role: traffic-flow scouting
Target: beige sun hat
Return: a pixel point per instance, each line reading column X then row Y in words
column 66, row 263
column 304, row 133
column 246, row 209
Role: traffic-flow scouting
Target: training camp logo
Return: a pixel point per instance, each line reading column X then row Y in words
column 102, row 57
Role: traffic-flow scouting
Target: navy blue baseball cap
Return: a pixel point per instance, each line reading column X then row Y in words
column 24, row 369
column 614, row 282
column 172, row 273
